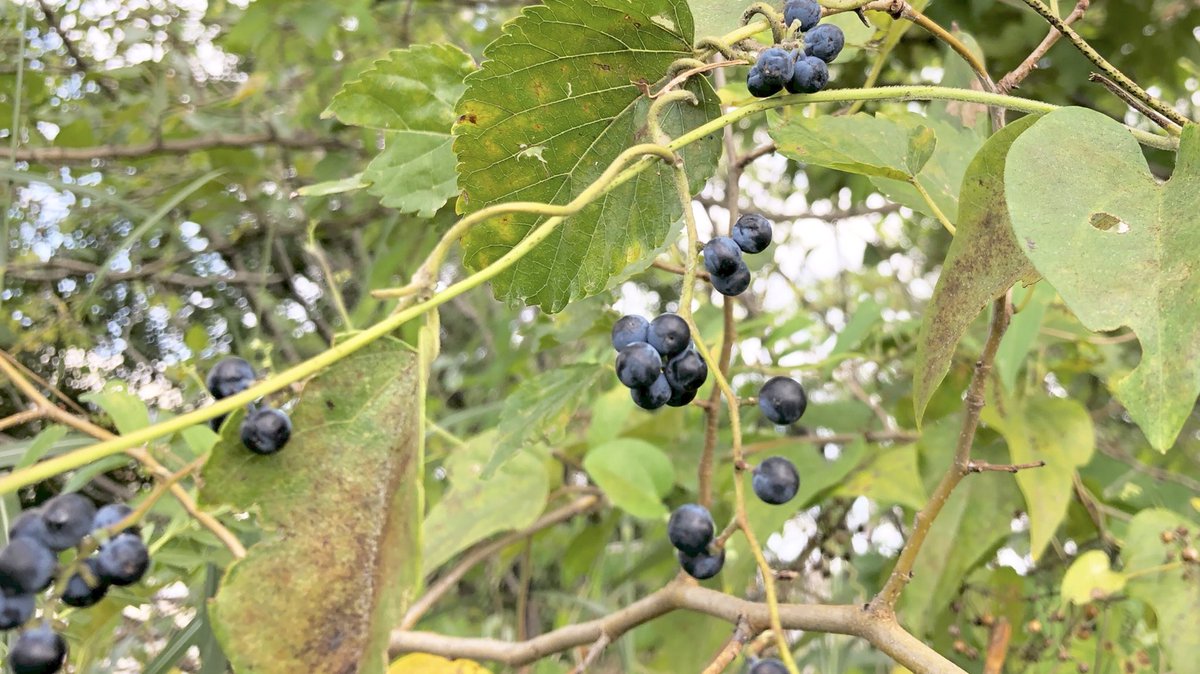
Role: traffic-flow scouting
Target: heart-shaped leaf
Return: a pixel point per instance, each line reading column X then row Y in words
column 1090, row 578
column 1120, row 247
column 558, row 97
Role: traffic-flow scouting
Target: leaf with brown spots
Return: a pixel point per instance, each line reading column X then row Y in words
column 341, row 510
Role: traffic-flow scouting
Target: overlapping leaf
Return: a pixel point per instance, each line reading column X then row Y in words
column 558, row 97
column 1174, row 594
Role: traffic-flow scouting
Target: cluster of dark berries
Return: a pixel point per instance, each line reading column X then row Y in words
column 656, row 360
column 800, row 70
column 723, row 255
column 265, row 430
column 29, row 565
column 768, row 666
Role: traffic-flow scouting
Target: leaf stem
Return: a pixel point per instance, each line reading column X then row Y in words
column 937, row 212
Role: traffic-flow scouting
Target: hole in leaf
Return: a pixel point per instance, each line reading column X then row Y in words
column 1107, row 222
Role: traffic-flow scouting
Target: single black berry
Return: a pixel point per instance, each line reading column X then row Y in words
column 215, row 423
column 26, row 566
column 629, row 329
column 229, row 377
column 806, row 12
column 669, row 335
column 39, row 650
column 722, row 256
column 733, row 285
column 691, row 529
column 30, row 524
column 123, row 560
column 68, row 519
column 702, row 566
column 776, row 64
column 266, row 430
column 776, row 480
column 752, row 232
column 85, row 587
column 680, row 397
column 825, row 42
column 782, row 400
column 760, row 86
column 811, row 76
column 638, row 365
column 653, row 396
column 769, row 666
column 110, row 515
column 16, row 610
column 687, row 371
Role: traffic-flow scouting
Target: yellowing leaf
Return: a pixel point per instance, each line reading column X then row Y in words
column 1091, row 578
column 423, row 663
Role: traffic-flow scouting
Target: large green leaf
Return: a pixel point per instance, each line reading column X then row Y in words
column 341, row 507
column 891, row 478
column 634, row 475
column 982, row 263
column 1120, row 248
column 556, row 100
column 410, row 94
column 1090, row 578
column 1173, row 593
column 1055, row 430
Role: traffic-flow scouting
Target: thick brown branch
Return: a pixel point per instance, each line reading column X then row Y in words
column 742, row 634
column 1013, row 79
column 52, row 155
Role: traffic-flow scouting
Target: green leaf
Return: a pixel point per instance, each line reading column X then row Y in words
column 1120, row 249
column 557, row 99
column 127, row 411
column 331, row 187
column 475, row 508
column 341, row 507
column 634, row 475
column 411, row 94
column 891, row 478
column 540, row 404
column 983, row 262
column 1055, row 430
column 1174, row 597
column 863, row 321
column 715, row 18
column 1089, row 578
column 1022, row 333
column 42, row 443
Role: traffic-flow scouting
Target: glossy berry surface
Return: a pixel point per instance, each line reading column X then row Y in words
column 110, row 514
column 733, row 285
column 811, row 76
column 691, row 529
column 768, row 666
column 629, row 329
column 722, row 256
column 687, row 371
column 752, row 233
column 40, row 650
column 702, row 566
column 16, row 610
column 680, row 397
column 825, row 42
column 123, row 560
column 669, row 335
column 266, row 430
column 782, row 400
column 776, row 480
column 806, row 12
column 638, row 365
column 26, row 567
column 760, row 86
column 229, row 377
column 81, row 593
column 776, row 64
column 68, row 518
column 653, row 396
column 30, row 524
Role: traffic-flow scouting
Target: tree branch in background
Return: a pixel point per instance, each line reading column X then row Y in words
column 1134, row 103
column 80, row 64
column 57, row 269
column 1013, row 79
column 52, row 155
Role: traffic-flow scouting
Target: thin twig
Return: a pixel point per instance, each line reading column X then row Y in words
column 1134, row 103
column 677, row 270
column 22, row 417
column 742, row 634
column 984, row 467
column 593, row 654
column 1014, row 78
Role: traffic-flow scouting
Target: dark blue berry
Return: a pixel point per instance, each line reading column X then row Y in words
column 782, row 400
column 16, row 610
column 825, row 42
column 760, row 86
column 776, row 480
column 266, row 430
column 702, row 566
column 669, row 335
column 123, row 560
column 734, row 284
column 85, row 588
column 40, row 650
column 68, row 518
column 629, row 329
column 215, row 424
column 653, row 396
column 30, row 524
column 810, row 77
column 691, row 529
column 638, row 365
column 722, row 256
column 752, row 233
column 806, row 12
column 26, row 567
column 776, row 64
column 110, row 515
column 229, row 377
column 769, row 666
column 680, row 397
column 687, row 371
